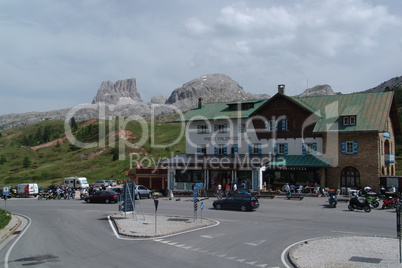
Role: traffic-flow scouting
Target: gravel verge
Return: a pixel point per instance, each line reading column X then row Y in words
column 349, row 251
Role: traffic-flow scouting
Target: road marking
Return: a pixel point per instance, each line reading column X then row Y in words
column 255, row 243
column 216, row 254
column 16, row 240
column 211, row 235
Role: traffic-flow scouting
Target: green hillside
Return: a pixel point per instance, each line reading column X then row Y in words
column 21, row 161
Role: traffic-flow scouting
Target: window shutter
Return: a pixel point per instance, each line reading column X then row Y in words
column 240, row 130
column 250, row 149
column 304, row 148
column 286, row 148
column 276, row 125
column 355, row 147
column 225, row 149
column 198, row 149
column 215, row 149
column 266, row 125
column 259, row 149
column 225, row 126
column 207, row 129
column 276, row 149
column 198, row 129
column 283, row 124
column 215, row 128
column 314, row 148
column 236, row 149
column 343, row 147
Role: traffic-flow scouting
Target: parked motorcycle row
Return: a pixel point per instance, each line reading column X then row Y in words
column 367, row 202
column 58, row 192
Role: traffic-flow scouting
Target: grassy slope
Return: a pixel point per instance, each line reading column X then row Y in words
column 50, row 164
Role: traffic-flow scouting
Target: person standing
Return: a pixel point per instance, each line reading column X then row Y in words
column 287, row 189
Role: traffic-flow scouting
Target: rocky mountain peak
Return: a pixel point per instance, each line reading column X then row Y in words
column 212, row 88
column 119, row 92
column 320, row 90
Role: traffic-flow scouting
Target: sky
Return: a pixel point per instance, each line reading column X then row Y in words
column 55, row 54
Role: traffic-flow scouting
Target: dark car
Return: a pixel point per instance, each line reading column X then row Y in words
column 241, row 202
column 103, row 197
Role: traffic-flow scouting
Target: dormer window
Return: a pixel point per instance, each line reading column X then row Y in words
column 349, row 120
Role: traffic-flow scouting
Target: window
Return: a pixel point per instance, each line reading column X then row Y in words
column 352, row 120
column 202, row 149
column 349, row 120
column 220, row 149
column 281, row 148
column 242, row 128
column 286, row 124
column 271, row 125
column 350, row 177
column 202, row 129
column 349, row 147
column 309, row 148
column 220, row 128
column 255, row 148
column 235, row 149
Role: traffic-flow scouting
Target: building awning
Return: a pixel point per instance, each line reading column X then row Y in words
column 308, row 160
column 215, row 161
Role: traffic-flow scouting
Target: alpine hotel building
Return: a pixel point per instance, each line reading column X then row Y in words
column 336, row 141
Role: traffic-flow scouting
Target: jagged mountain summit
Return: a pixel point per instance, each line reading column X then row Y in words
column 119, row 92
column 211, row 88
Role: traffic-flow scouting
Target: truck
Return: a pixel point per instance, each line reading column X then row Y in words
column 76, row 182
column 27, row 189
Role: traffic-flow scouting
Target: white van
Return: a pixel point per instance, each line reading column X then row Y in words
column 76, row 182
column 27, row 189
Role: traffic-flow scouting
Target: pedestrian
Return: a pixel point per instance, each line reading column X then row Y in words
column 227, row 189
column 287, row 189
column 392, row 189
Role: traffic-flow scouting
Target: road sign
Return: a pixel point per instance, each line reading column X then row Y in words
column 6, row 190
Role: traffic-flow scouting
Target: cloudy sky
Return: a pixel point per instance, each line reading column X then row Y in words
column 55, row 54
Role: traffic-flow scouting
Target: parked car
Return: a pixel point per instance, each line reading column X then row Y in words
column 142, row 191
column 241, row 202
column 107, row 196
column 111, row 183
column 100, row 183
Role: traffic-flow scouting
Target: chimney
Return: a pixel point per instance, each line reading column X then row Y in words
column 281, row 89
column 199, row 103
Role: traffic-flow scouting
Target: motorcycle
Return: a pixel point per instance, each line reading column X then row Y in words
column 374, row 201
column 333, row 200
column 355, row 203
column 390, row 202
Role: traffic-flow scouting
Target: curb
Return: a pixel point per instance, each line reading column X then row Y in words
column 14, row 223
column 118, row 228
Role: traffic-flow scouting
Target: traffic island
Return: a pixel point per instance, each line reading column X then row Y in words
column 143, row 226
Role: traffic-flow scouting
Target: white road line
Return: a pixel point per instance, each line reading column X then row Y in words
column 16, row 240
column 255, row 243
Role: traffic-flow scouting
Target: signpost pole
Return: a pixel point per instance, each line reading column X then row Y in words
column 398, row 229
column 156, row 202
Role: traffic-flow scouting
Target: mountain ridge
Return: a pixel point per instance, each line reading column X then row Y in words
column 123, row 98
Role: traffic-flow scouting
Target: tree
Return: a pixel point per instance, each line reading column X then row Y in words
column 2, row 159
column 73, row 124
column 26, row 162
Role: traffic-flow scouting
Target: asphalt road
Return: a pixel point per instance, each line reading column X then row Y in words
column 72, row 233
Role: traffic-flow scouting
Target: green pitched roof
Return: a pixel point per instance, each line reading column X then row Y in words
column 371, row 111
column 307, row 160
column 211, row 111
